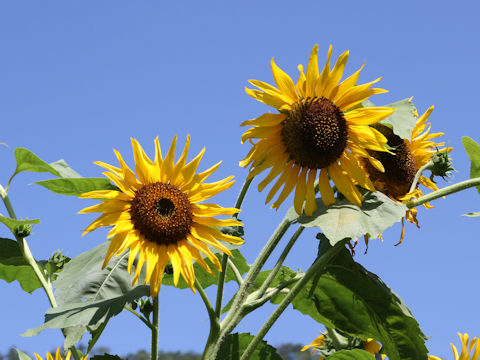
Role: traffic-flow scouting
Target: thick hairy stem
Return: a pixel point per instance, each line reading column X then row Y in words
column 443, row 192
column 235, row 314
column 316, row 267
column 280, row 261
column 154, row 354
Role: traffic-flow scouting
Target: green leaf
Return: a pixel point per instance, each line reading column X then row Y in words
column 472, row 214
column 346, row 220
column 77, row 186
column 13, row 266
column 235, row 344
column 88, row 295
column 473, row 151
column 64, row 169
column 355, row 354
column 14, row 224
column 403, row 120
column 22, row 355
column 28, row 161
column 205, row 278
column 353, row 300
column 88, row 313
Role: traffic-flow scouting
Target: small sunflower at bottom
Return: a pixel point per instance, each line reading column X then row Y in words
column 156, row 213
column 401, row 167
column 318, row 134
column 320, row 343
column 466, row 353
column 58, row 356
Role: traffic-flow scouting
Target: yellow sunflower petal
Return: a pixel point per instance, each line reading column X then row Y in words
column 328, row 196
column 167, row 165
column 266, row 119
column 284, row 82
column 143, row 164
column 310, row 205
column 300, row 191
column 368, row 115
column 312, row 72
column 345, row 185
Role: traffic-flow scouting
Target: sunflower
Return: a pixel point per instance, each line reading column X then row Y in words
column 402, row 165
column 58, row 356
column 157, row 215
column 319, row 343
column 319, row 132
column 467, row 349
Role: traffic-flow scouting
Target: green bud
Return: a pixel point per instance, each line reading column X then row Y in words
column 23, row 230
column 442, row 165
column 146, row 306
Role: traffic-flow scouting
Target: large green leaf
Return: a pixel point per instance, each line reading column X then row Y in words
column 473, row 151
column 89, row 295
column 403, row 120
column 204, row 278
column 28, row 161
column 88, row 313
column 346, row 220
column 351, row 299
column 355, row 354
column 77, row 186
column 235, row 344
column 13, row 266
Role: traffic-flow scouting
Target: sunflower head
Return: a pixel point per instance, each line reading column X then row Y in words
column 326, row 347
column 319, row 133
column 406, row 158
column 58, row 356
column 467, row 347
column 156, row 213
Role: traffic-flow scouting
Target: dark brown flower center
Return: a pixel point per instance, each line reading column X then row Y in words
column 315, row 133
column 161, row 213
column 400, row 168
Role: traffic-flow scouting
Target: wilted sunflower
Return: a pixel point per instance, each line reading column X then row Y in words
column 401, row 166
column 467, row 349
column 318, row 133
column 157, row 215
column 58, row 356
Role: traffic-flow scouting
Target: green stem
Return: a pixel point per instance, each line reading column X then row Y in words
column 317, row 266
column 279, row 263
column 443, row 192
column 214, row 323
column 235, row 314
column 154, row 328
column 145, row 321
column 241, row 195
column 214, row 320
column 27, row 254
column 221, row 283
column 419, row 173
column 224, row 263
column 238, row 276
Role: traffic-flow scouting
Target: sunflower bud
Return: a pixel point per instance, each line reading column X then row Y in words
column 442, row 165
column 23, row 230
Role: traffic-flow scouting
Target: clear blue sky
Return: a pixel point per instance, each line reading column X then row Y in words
column 78, row 79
